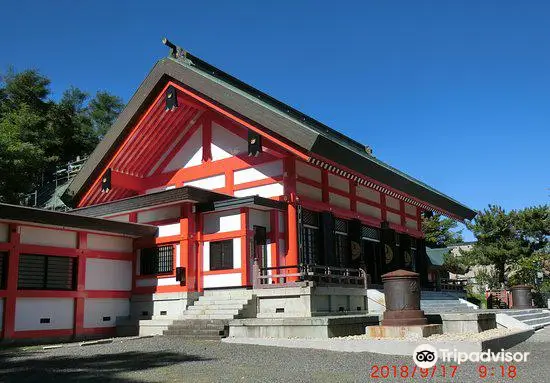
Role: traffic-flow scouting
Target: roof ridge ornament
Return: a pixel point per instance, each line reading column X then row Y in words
column 176, row 52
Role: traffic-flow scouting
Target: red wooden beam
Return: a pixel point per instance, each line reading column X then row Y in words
column 207, row 138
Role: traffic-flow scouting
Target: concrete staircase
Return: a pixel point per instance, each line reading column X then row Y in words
column 209, row 317
column 433, row 302
column 536, row 318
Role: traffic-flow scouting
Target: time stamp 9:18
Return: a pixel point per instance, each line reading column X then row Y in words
column 440, row 371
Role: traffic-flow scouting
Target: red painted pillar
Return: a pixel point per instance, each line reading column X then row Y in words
column 200, row 263
column 245, row 249
column 11, row 285
column 188, row 257
column 81, row 283
column 292, row 217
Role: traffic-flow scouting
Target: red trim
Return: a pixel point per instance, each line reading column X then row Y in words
column 224, row 235
column 207, row 138
column 42, row 334
column 225, row 271
column 200, row 244
column 126, row 181
column 159, row 289
column 229, row 182
column 11, row 285
column 339, row 212
column 49, row 250
column 81, row 283
column 107, row 331
column 245, row 256
column 262, row 182
column 5, row 246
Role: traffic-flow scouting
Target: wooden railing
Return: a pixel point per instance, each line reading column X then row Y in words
column 447, row 285
column 298, row 275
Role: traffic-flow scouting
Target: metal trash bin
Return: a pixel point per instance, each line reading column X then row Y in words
column 402, row 294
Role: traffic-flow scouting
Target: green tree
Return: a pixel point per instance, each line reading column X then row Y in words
column 498, row 241
column 440, row 231
column 36, row 133
column 104, row 109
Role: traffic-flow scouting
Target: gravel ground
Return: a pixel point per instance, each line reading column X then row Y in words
column 173, row 359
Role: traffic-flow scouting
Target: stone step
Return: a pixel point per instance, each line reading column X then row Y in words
column 536, row 315
column 221, row 302
column 195, row 332
column 538, row 321
column 237, row 293
column 513, row 312
column 209, row 311
column 196, row 337
column 209, row 316
column 233, row 306
column 201, row 323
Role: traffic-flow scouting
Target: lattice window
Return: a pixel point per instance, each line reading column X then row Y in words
column 45, row 272
column 341, row 244
column 310, row 245
column 370, row 233
column 221, row 255
column 157, row 260
column 310, row 218
column 340, row 226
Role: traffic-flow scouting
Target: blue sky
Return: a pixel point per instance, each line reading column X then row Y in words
column 456, row 94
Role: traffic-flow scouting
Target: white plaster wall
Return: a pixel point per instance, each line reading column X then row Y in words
column 159, row 214
column 1, row 313
column 369, row 210
column 189, row 155
column 410, row 209
column 222, row 222
column 169, row 230
column 411, row 223
column 308, row 191
column 208, row 183
column 338, row 182
column 4, row 232
column 108, row 274
column 338, row 200
column 394, row 218
column 236, row 254
column 110, row 243
column 222, row 280
column 368, row 193
column 260, row 172
column 226, row 144
column 48, row 237
column 259, row 218
column 96, row 309
column 308, row 171
column 121, row 218
column 392, row 202
column 28, row 312
column 266, row 191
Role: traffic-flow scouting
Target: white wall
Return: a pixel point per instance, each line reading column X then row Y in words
column 95, row 310
column 48, row 237
column 410, row 209
column 222, row 222
column 411, row 223
column 169, row 230
column 28, row 312
column 189, row 155
column 226, row 144
column 208, row 183
column 338, row 200
column 338, row 182
column 121, row 218
column 308, row 171
column 308, row 191
column 368, row 193
column 4, row 232
column 108, row 274
column 259, row 218
column 260, row 172
column 222, row 280
column 392, row 202
column 266, row 191
column 110, row 243
column 394, row 218
column 369, row 210
column 236, row 254
column 159, row 214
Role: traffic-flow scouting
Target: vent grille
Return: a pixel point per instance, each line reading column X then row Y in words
column 370, row 233
column 157, row 260
column 45, row 272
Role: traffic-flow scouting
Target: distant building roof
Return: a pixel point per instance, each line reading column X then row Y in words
column 436, row 256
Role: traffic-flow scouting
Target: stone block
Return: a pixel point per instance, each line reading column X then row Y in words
column 421, row 331
column 468, row 322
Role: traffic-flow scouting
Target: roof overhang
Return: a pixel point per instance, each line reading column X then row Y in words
column 158, row 199
column 23, row 214
column 222, row 91
column 256, row 202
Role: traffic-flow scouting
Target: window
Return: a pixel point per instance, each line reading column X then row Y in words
column 310, row 236
column 341, row 242
column 413, row 253
column 372, row 253
column 45, row 272
column 3, row 268
column 221, row 255
column 157, row 260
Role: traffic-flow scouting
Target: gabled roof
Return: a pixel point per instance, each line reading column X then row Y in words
column 263, row 111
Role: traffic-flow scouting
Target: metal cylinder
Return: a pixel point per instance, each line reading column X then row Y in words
column 402, row 294
column 521, row 297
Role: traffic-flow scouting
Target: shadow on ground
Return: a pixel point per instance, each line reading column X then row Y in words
column 18, row 366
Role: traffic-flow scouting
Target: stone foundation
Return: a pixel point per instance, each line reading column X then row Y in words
column 468, row 322
column 422, row 331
